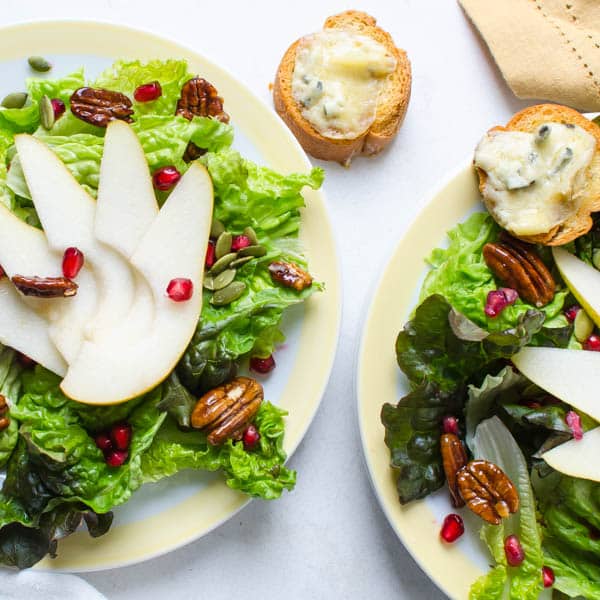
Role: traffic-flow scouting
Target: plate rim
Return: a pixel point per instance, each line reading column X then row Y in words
column 430, row 198
column 334, row 290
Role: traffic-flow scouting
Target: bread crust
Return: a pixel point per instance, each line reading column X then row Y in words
column 528, row 120
column 391, row 108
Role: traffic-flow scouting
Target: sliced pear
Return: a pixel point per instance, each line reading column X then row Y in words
column 24, row 330
column 126, row 201
column 116, row 367
column 582, row 279
column 573, row 376
column 577, row 458
column 67, row 213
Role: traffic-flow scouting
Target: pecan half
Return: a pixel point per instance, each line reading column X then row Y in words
column 4, row 420
column 199, row 98
column 225, row 411
column 454, row 458
column 45, row 287
column 487, row 491
column 98, row 106
column 290, row 275
column 520, row 267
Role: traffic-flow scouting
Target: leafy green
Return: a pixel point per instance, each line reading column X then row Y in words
column 428, row 349
column 56, row 456
column 493, row 442
column 10, row 385
column 459, row 273
column 177, row 401
column 260, row 472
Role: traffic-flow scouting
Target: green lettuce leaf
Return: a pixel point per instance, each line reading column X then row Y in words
column 460, row 274
column 57, row 457
column 433, row 348
column 260, row 472
column 493, row 442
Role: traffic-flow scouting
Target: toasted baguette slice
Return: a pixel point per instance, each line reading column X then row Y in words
column 391, row 107
column 528, row 120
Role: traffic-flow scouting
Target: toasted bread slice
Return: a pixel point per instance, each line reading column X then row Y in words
column 391, row 106
column 529, row 120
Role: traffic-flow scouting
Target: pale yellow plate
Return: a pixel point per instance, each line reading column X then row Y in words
column 379, row 380
column 300, row 382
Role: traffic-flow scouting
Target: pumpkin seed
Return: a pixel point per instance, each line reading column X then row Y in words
column 39, row 63
column 583, row 326
column 15, row 100
column 222, row 263
column 251, row 235
column 208, row 282
column 596, row 258
column 216, row 229
column 256, row 251
column 228, row 294
column 238, row 262
column 223, row 279
column 46, row 113
column 223, row 245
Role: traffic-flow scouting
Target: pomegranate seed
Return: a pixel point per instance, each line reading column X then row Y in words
column 73, row 260
column 515, row 554
column 103, row 442
column 450, row 424
column 592, row 343
column 251, row 437
column 574, row 422
column 115, row 458
column 120, row 434
column 58, row 106
column 262, row 365
column 547, row 577
column 147, row 92
column 452, row 528
column 165, row 178
column 571, row 312
column 25, row 361
column 180, row 289
column 2, row 273
column 239, row 242
column 498, row 300
column 209, row 261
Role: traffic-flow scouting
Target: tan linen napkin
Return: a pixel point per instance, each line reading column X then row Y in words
column 546, row 49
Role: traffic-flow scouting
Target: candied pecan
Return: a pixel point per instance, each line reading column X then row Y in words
column 225, row 411
column 290, row 275
column 487, row 491
column 520, row 267
column 199, row 98
column 454, row 458
column 45, row 287
column 98, row 106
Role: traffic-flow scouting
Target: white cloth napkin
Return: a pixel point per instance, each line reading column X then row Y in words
column 34, row 585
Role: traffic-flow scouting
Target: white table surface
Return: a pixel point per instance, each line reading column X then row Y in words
column 328, row 539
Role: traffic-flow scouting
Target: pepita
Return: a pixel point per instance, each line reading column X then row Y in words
column 15, row 100
column 583, row 326
column 251, row 235
column 216, row 229
column 222, row 263
column 223, row 279
column 46, row 113
column 238, row 262
column 223, row 245
column 39, row 63
column 209, row 282
column 596, row 258
column 228, row 294
column 255, row 251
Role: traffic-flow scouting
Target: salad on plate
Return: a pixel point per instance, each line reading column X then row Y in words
column 145, row 263
column 502, row 359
